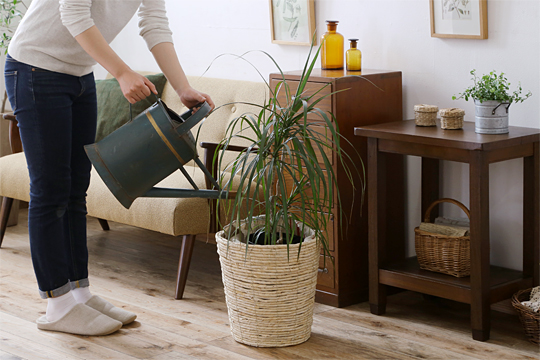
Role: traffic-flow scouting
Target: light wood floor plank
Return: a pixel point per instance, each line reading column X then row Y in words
column 136, row 269
column 455, row 340
column 7, row 356
column 66, row 345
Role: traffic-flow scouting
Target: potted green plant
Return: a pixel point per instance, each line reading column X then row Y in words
column 492, row 98
column 10, row 12
column 270, row 248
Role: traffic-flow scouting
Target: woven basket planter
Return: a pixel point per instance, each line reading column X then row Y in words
column 449, row 255
column 269, row 290
column 529, row 318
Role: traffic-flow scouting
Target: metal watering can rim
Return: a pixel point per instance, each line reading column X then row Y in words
column 181, row 127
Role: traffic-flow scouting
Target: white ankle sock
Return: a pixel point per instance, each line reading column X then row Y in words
column 82, row 294
column 59, row 306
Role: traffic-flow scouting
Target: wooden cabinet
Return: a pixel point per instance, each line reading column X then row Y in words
column 373, row 98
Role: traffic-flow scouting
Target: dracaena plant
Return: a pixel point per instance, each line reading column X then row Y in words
column 492, row 87
column 285, row 172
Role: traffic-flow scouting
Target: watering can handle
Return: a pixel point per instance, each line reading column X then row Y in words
column 131, row 112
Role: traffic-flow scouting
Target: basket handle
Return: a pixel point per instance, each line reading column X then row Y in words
column 427, row 217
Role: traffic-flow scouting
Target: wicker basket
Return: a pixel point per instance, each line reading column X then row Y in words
column 529, row 319
column 441, row 253
column 270, row 296
column 425, row 115
column 452, row 119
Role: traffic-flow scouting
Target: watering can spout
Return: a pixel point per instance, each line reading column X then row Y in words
column 138, row 155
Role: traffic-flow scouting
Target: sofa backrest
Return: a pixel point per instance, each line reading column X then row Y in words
column 226, row 94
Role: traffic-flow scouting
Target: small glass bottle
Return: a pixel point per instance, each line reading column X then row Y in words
column 332, row 48
column 354, row 57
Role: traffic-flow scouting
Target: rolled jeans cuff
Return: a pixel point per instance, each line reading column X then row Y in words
column 64, row 289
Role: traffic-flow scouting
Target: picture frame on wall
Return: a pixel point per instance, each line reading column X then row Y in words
column 460, row 19
column 292, row 22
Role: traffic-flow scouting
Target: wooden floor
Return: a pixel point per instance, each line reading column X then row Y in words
column 136, row 269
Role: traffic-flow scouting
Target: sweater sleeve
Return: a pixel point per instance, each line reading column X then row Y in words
column 153, row 23
column 76, row 15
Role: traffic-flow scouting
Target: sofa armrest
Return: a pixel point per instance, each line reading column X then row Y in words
column 210, row 149
column 14, row 136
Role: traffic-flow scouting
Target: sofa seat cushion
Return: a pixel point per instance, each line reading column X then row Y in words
column 173, row 216
column 14, row 180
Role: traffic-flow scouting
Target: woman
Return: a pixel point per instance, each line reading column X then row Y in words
column 51, row 88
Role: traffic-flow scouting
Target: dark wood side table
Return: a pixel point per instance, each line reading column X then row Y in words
column 487, row 284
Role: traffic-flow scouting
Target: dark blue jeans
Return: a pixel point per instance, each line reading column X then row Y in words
column 57, row 116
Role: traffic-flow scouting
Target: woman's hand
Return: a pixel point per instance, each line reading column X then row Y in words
column 191, row 97
column 135, row 87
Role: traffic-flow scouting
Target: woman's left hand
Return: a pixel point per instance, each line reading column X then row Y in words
column 191, row 97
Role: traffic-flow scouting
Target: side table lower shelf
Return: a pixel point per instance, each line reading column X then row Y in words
column 408, row 275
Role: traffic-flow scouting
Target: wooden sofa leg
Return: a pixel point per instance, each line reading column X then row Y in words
column 4, row 216
column 104, row 224
column 183, row 265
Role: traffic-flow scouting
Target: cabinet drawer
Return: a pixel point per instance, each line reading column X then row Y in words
column 323, row 133
column 330, row 238
column 325, row 276
column 308, row 193
column 310, row 89
column 330, row 234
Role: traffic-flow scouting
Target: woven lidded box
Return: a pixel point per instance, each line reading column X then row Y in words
column 425, row 115
column 452, row 118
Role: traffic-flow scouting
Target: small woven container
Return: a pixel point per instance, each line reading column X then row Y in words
column 449, row 255
column 529, row 318
column 269, row 290
column 452, row 118
column 425, row 115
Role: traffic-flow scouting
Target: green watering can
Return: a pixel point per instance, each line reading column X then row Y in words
column 141, row 153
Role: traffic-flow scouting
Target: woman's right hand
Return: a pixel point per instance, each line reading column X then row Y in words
column 135, row 87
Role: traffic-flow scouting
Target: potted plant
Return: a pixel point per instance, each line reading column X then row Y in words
column 10, row 12
column 270, row 248
column 492, row 98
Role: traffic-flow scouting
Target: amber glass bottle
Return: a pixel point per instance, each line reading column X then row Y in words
column 332, row 47
column 354, row 57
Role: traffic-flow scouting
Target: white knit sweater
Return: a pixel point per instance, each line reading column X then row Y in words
column 45, row 36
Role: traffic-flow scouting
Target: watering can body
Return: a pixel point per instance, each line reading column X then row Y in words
column 141, row 153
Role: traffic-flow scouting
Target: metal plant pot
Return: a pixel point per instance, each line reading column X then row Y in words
column 491, row 117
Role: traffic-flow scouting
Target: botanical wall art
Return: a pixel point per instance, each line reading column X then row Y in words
column 292, row 21
column 465, row 19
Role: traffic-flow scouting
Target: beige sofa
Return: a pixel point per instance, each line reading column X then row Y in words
column 173, row 216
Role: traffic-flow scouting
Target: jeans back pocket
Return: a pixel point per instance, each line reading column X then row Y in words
column 10, row 77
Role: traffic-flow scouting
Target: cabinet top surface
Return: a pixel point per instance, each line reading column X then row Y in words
column 466, row 138
column 329, row 75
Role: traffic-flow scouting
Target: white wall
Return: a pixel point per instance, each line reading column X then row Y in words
column 395, row 35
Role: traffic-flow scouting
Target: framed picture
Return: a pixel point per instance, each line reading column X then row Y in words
column 292, row 21
column 463, row 19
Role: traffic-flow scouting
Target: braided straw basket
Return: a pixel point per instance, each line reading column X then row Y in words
column 442, row 253
column 452, row 119
column 425, row 115
column 269, row 290
column 529, row 318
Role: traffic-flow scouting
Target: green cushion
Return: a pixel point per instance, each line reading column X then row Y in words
column 113, row 108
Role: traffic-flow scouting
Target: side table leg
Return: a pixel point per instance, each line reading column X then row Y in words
column 531, row 215
column 430, row 186
column 376, row 183
column 480, row 260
